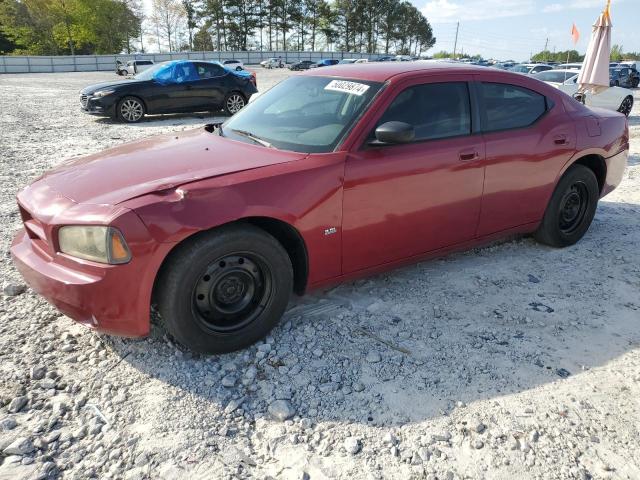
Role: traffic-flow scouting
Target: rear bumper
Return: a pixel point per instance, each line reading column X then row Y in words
column 615, row 171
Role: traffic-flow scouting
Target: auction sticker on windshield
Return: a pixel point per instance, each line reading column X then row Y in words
column 344, row 86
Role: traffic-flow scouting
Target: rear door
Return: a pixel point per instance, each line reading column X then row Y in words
column 528, row 139
column 211, row 86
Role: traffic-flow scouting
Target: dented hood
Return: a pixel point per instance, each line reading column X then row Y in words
column 157, row 163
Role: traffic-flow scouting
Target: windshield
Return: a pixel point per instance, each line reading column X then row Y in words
column 520, row 69
column 151, row 71
column 303, row 114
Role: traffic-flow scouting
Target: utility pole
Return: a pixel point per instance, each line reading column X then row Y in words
column 544, row 52
column 455, row 43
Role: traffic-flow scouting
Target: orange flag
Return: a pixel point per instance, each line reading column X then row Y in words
column 575, row 34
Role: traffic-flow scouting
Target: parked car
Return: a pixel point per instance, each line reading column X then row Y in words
column 622, row 77
column 404, row 58
column 132, row 67
column 302, row 65
column 272, row 62
column 236, row 65
column 612, row 98
column 171, row 87
column 530, row 68
column 569, row 66
column 326, row 62
column 386, row 58
column 352, row 60
column 333, row 174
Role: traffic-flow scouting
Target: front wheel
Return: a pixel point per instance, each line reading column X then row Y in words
column 571, row 208
column 224, row 290
column 234, row 102
column 130, row 109
column 238, row 69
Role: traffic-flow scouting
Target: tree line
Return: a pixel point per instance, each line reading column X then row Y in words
column 57, row 27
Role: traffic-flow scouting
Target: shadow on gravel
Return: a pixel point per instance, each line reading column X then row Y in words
column 168, row 119
column 407, row 346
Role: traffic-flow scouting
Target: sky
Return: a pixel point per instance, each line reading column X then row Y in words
column 514, row 29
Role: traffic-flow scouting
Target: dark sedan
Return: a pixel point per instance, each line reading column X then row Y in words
column 172, row 87
column 302, row 65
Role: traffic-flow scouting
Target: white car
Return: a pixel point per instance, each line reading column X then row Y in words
column 132, row 67
column 353, row 60
column 236, row 65
column 272, row 62
column 613, row 98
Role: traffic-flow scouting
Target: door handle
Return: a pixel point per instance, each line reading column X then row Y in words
column 560, row 140
column 468, row 155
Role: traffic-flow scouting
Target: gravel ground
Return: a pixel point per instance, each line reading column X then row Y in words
column 512, row 361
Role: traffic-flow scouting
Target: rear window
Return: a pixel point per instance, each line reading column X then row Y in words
column 507, row 106
column 144, row 62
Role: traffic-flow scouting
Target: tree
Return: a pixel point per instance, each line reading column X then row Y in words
column 167, row 15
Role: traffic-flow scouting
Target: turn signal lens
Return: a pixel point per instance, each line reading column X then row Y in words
column 118, row 251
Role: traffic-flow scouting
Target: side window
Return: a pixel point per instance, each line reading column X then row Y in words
column 507, row 106
column 209, row 70
column 164, row 75
column 436, row 110
column 185, row 72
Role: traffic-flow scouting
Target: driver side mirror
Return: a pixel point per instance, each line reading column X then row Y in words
column 393, row 133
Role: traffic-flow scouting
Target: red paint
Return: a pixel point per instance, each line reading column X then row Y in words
column 390, row 205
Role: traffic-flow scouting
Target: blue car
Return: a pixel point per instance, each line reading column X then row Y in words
column 326, row 62
column 177, row 86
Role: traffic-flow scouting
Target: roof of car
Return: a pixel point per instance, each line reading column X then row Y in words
column 383, row 71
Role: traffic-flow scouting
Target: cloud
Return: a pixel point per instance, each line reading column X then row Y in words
column 443, row 11
column 576, row 5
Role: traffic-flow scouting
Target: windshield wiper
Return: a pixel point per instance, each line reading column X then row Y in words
column 253, row 137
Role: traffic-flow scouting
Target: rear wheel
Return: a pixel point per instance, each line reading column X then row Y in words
column 234, row 102
column 626, row 106
column 224, row 290
column 130, row 109
column 571, row 208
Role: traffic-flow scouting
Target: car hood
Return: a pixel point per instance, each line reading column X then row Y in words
column 158, row 163
column 103, row 85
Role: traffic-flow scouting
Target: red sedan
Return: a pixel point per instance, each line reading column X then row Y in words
column 337, row 173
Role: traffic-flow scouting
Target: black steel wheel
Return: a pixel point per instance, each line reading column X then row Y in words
column 571, row 208
column 232, row 292
column 626, row 106
column 225, row 289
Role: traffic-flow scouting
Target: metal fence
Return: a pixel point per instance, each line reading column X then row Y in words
column 94, row 63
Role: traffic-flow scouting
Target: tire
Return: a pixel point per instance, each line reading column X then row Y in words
column 234, row 102
column 616, row 83
column 130, row 109
column 224, row 290
column 626, row 106
column 571, row 208
column 238, row 69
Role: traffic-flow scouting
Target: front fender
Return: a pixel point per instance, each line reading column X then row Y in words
column 306, row 195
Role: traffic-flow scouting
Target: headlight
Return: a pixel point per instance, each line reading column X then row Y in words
column 99, row 244
column 102, row 93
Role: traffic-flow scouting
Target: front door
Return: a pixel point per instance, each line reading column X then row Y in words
column 407, row 199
